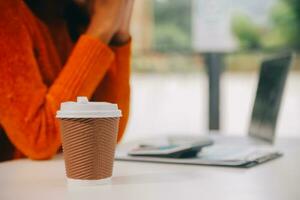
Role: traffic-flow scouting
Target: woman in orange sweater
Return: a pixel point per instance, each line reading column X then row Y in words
column 53, row 51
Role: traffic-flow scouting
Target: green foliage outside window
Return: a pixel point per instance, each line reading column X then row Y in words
column 283, row 32
column 172, row 25
column 246, row 31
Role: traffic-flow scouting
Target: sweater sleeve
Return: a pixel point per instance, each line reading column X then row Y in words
column 115, row 86
column 27, row 105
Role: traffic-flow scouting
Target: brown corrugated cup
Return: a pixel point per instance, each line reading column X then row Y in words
column 89, row 135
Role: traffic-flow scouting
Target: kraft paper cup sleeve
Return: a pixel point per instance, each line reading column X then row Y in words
column 89, row 147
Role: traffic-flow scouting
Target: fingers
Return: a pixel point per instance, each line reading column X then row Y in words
column 123, row 33
column 125, row 25
column 106, row 18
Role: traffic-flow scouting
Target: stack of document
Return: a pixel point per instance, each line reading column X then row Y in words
column 217, row 155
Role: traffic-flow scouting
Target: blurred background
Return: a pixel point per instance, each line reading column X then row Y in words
column 169, row 75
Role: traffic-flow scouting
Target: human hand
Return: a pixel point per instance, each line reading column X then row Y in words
column 106, row 18
column 123, row 33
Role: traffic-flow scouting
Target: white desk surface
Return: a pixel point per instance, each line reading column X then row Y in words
column 278, row 179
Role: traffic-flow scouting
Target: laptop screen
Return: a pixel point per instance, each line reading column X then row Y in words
column 272, row 78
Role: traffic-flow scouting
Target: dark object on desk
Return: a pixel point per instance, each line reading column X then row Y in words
column 173, row 147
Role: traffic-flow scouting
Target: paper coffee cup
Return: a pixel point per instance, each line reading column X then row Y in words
column 89, row 135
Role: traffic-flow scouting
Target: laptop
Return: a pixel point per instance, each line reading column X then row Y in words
column 220, row 150
column 273, row 75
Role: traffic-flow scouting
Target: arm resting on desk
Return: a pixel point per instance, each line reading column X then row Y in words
column 27, row 105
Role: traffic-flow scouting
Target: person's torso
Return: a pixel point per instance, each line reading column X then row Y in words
column 51, row 44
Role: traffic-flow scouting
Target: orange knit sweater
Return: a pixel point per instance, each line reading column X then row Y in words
column 40, row 68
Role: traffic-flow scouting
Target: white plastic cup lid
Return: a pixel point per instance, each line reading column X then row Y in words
column 83, row 108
